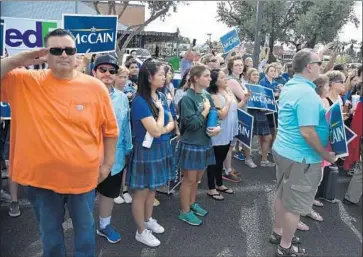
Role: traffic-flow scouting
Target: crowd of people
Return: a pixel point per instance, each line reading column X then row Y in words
column 100, row 129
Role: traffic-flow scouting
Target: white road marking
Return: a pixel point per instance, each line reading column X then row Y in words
column 225, row 253
column 148, row 252
column 170, row 235
column 347, row 219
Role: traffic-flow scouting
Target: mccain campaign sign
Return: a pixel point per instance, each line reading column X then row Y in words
column 245, row 128
column 24, row 34
column 4, row 111
column 93, row 34
column 230, row 40
column 2, row 38
column 337, row 133
column 262, row 98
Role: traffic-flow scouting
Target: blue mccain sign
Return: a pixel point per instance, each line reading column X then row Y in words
column 4, row 111
column 245, row 128
column 93, row 34
column 337, row 133
column 230, row 40
column 2, row 38
column 262, row 98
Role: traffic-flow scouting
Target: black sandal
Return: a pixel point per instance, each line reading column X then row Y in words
column 290, row 252
column 226, row 190
column 276, row 239
column 215, row 196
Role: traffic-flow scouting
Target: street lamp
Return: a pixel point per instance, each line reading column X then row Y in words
column 210, row 40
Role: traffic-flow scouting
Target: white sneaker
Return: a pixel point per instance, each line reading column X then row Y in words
column 119, row 200
column 127, row 197
column 154, row 226
column 147, row 238
column 250, row 163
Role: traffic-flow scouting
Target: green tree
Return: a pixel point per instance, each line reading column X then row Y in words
column 158, row 9
column 321, row 21
column 297, row 22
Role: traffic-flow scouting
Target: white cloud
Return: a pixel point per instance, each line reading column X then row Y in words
column 199, row 18
column 349, row 31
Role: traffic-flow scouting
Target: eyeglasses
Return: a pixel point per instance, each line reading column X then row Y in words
column 112, row 71
column 318, row 63
column 213, row 60
column 57, row 51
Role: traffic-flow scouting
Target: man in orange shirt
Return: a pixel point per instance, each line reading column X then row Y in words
column 62, row 140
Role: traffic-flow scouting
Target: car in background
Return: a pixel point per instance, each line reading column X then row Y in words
column 140, row 54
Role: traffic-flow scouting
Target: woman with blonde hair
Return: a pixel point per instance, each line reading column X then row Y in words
column 122, row 78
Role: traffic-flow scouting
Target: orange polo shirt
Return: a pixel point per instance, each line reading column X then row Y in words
column 57, row 129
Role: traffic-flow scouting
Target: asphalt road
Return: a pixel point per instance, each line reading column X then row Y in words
column 238, row 226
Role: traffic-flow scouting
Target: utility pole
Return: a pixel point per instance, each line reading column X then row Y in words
column 76, row 7
column 256, row 50
column 210, row 41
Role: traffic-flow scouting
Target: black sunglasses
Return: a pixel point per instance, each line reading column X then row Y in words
column 59, row 51
column 112, row 71
column 318, row 63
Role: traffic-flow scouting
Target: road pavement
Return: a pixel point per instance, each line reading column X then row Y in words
column 238, row 226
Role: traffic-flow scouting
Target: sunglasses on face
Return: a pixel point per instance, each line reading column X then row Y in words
column 112, row 71
column 339, row 81
column 57, row 51
column 318, row 63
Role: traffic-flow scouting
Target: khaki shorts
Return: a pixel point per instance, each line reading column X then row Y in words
column 297, row 183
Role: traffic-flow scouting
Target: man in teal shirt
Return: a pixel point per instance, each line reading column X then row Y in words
column 298, row 151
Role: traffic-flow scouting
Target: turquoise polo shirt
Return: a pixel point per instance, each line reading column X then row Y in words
column 299, row 106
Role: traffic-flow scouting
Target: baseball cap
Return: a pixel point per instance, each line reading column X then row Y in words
column 106, row 59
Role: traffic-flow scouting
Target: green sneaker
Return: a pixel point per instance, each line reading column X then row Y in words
column 198, row 210
column 190, row 218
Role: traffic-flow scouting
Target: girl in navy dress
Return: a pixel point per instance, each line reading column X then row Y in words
column 151, row 162
column 194, row 151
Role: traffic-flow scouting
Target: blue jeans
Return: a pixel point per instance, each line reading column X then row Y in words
column 49, row 208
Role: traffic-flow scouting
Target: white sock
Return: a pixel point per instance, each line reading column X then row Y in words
column 141, row 231
column 104, row 222
column 227, row 171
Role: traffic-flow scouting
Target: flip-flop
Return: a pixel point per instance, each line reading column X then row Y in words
column 226, row 190
column 215, row 197
column 315, row 216
column 302, row 226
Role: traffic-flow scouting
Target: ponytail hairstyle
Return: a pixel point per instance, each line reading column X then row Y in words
column 184, row 81
column 196, row 71
column 147, row 71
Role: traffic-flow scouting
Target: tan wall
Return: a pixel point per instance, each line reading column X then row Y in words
column 134, row 14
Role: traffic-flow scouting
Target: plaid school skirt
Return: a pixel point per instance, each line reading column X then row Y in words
column 194, row 157
column 150, row 168
column 261, row 125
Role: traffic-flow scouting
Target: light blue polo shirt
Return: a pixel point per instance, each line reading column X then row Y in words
column 300, row 105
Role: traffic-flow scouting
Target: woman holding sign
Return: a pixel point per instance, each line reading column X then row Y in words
column 261, row 126
column 235, row 84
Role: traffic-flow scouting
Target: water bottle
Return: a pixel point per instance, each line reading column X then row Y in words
column 212, row 118
column 355, row 101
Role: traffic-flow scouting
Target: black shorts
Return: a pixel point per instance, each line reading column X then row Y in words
column 111, row 186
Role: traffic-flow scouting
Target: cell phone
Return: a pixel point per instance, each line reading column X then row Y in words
column 194, row 41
